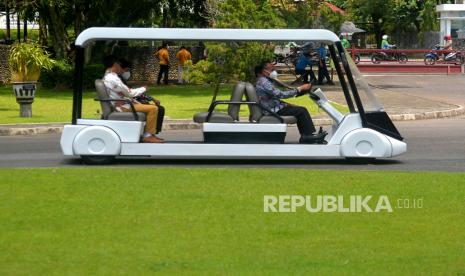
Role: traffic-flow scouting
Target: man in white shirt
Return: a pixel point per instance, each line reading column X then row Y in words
column 118, row 90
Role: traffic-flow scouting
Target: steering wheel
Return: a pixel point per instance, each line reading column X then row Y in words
column 311, row 92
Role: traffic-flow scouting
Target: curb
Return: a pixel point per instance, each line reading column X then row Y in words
column 429, row 115
column 18, row 130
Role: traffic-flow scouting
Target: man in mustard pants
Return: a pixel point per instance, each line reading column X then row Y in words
column 118, row 90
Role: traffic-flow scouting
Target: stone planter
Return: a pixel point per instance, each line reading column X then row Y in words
column 24, row 92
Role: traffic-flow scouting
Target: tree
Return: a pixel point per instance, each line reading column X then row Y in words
column 61, row 16
column 377, row 12
column 394, row 15
column 247, row 14
column 403, row 15
column 330, row 19
column 227, row 61
column 428, row 15
column 298, row 14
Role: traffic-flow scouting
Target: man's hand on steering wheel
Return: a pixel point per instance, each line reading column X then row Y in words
column 304, row 89
column 310, row 90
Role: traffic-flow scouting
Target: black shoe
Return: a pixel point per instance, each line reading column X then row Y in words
column 314, row 138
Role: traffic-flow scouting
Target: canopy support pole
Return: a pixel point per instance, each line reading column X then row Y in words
column 78, row 75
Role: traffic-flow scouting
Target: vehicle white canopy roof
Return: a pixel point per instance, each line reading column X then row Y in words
column 104, row 33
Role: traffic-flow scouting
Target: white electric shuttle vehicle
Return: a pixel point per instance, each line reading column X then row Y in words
column 365, row 131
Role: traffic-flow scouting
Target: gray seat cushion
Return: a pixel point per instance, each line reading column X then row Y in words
column 233, row 109
column 268, row 119
column 125, row 116
column 216, row 117
column 251, row 95
column 236, row 96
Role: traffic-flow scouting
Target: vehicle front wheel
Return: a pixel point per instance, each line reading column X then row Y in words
column 376, row 58
column 459, row 60
column 97, row 159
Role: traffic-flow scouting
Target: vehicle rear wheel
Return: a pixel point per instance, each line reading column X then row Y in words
column 403, row 58
column 430, row 61
column 376, row 58
column 97, row 159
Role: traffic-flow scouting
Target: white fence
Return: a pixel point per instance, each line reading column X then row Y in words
column 30, row 25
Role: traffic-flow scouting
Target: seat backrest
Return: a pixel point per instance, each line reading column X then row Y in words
column 236, row 96
column 102, row 93
column 255, row 111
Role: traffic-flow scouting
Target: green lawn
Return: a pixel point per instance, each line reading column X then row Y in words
column 125, row 221
column 181, row 102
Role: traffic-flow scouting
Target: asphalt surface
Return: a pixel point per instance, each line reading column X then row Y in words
column 433, row 145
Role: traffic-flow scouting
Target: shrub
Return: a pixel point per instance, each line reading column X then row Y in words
column 62, row 75
column 91, row 73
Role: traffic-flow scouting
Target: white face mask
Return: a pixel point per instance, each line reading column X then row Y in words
column 273, row 74
column 126, row 75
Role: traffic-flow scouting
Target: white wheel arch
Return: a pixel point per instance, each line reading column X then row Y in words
column 366, row 143
column 97, row 140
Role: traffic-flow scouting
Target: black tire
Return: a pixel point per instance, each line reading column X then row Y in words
column 357, row 59
column 360, row 160
column 97, row 159
column 430, row 61
column 459, row 60
column 403, row 58
column 376, row 58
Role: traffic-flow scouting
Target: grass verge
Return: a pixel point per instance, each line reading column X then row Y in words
column 211, row 221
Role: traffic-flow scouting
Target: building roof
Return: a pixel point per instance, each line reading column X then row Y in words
column 335, row 8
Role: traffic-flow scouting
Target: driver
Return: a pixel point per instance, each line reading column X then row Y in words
column 385, row 43
column 270, row 97
column 448, row 42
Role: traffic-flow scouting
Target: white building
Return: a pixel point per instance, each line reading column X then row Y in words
column 30, row 25
column 452, row 19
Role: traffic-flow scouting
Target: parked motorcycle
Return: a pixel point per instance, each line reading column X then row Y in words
column 377, row 57
column 288, row 57
column 432, row 57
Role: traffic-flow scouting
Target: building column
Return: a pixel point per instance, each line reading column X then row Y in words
column 448, row 26
column 443, row 29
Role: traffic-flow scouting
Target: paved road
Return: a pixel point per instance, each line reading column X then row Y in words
column 442, row 88
column 432, row 145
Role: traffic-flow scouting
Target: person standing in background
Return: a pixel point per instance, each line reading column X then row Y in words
column 164, row 61
column 182, row 56
column 322, row 68
column 345, row 42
